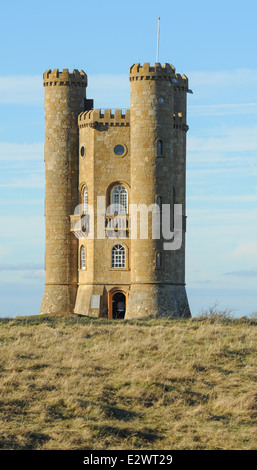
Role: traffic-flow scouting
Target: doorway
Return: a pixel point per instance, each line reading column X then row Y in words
column 117, row 305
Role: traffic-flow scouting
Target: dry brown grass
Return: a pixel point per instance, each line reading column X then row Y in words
column 77, row 383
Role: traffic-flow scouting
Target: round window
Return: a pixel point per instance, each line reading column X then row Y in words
column 160, row 99
column 82, row 151
column 119, row 149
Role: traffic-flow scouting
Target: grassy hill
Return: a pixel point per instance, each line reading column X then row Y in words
column 83, row 383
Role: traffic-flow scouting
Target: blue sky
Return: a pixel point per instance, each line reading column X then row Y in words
column 215, row 46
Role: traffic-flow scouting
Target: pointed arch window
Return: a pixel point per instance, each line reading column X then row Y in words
column 85, row 200
column 119, row 200
column 118, row 256
column 82, row 257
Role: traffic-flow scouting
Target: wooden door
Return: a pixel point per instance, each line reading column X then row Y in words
column 109, row 297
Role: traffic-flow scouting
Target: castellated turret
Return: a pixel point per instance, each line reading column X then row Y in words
column 64, row 100
column 111, row 177
column 158, row 156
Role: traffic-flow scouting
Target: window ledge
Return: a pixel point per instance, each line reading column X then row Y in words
column 119, row 269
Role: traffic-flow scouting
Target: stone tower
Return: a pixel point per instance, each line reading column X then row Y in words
column 158, row 157
column 110, row 162
column 64, row 100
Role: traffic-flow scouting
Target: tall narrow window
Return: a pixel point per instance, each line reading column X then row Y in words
column 173, row 208
column 85, row 200
column 159, row 147
column 159, row 202
column 118, row 256
column 158, row 259
column 82, row 257
column 119, row 200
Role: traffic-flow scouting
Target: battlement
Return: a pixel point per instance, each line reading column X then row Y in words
column 107, row 117
column 147, row 68
column 64, row 78
column 179, row 122
column 157, row 72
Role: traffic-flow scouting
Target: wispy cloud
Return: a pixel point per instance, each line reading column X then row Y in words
column 223, row 85
column 4, row 251
column 248, row 250
column 222, row 109
column 21, row 89
column 224, row 198
column 14, row 151
column 28, row 181
column 225, row 216
column 22, row 202
column 224, row 140
column 36, row 275
column 26, row 229
column 21, row 267
column 242, row 273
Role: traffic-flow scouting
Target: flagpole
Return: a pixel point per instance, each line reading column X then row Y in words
column 158, row 40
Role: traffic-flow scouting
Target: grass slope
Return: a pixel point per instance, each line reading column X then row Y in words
column 81, row 383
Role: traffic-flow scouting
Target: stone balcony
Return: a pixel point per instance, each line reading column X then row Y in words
column 117, row 226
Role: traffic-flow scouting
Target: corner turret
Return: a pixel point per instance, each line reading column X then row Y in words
column 64, row 100
column 158, row 154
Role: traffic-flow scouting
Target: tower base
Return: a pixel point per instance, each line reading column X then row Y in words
column 58, row 299
column 83, row 301
column 142, row 300
column 157, row 300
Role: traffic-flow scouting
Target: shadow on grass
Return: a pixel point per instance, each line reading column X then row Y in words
column 32, row 440
column 146, row 434
column 119, row 413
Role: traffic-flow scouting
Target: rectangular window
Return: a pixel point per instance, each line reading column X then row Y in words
column 83, row 258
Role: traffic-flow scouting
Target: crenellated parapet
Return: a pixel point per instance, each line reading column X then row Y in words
column 179, row 122
column 158, row 72
column 98, row 118
column 64, row 78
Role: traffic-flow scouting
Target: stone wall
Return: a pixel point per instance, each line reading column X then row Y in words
column 100, row 170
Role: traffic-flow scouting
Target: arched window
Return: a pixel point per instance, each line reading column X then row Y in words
column 85, row 200
column 119, row 200
column 118, row 256
column 82, row 257
column 159, row 147
column 158, row 259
